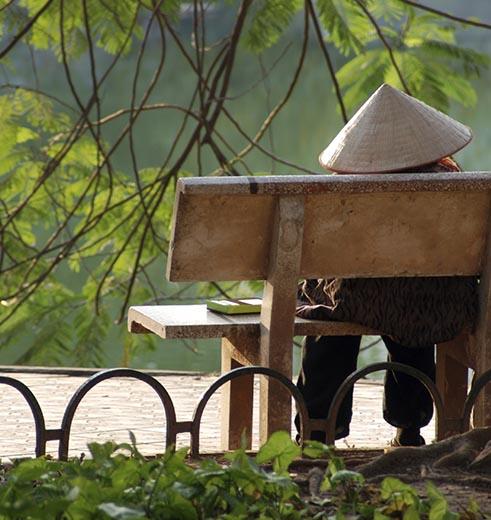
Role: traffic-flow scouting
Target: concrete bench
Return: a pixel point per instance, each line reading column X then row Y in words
column 283, row 228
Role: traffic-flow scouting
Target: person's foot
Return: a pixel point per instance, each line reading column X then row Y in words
column 408, row 437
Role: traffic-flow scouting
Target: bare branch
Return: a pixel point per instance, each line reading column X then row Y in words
column 7, row 5
column 254, row 143
column 329, row 64
column 151, row 86
column 24, row 30
column 444, row 14
column 228, row 63
column 386, row 45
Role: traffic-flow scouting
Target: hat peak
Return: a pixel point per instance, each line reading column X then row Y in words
column 388, row 91
column 386, row 87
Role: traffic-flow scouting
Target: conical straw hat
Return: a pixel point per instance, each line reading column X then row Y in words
column 393, row 131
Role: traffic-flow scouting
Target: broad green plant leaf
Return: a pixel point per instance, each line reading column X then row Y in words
column 439, row 508
column 279, row 449
column 316, row 449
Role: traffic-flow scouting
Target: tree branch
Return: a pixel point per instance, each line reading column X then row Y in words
column 330, row 66
column 386, row 45
column 24, row 30
column 444, row 14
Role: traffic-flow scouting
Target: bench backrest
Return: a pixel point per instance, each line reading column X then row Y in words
column 280, row 229
column 346, row 225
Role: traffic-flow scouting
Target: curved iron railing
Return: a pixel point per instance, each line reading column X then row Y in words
column 66, row 423
column 369, row 369
column 233, row 374
column 470, row 401
column 174, row 427
column 41, row 432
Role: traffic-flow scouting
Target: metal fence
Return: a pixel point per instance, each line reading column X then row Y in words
column 174, row 427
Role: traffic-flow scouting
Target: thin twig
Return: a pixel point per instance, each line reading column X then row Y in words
column 151, row 86
column 439, row 12
column 371, row 344
column 24, row 30
column 386, row 45
column 254, row 142
column 327, row 57
column 267, row 90
column 229, row 60
column 7, row 5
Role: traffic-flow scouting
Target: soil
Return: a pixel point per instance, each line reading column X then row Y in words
column 459, row 466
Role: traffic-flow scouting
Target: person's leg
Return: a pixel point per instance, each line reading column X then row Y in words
column 407, row 404
column 326, row 362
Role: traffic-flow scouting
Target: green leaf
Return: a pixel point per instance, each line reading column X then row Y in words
column 362, row 75
column 121, row 512
column 176, row 507
column 335, row 464
column 380, row 516
column 102, row 451
column 346, row 476
column 31, row 470
column 391, row 485
column 439, row 508
column 389, row 10
column 279, row 449
column 316, row 449
column 411, row 513
column 460, row 90
column 474, row 507
column 423, row 28
column 26, row 134
column 269, row 21
column 91, row 331
column 347, row 26
column 171, row 8
column 439, row 511
column 111, row 22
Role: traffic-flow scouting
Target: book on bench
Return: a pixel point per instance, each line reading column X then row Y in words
column 241, row 306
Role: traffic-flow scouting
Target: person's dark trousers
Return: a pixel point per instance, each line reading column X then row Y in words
column 328, row 360
column 407, row 403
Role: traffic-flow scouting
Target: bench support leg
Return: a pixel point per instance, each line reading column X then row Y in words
column 452, row 383
column 482, row 347
column 237, row 396
column 278, row 314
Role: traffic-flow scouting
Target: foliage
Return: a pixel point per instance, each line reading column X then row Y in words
column 118, row 482
column 84, row 218
column 269, row 20
column 429, row 60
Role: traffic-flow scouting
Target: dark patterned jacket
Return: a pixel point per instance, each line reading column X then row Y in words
column 415, row 312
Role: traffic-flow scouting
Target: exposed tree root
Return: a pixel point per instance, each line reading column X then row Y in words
column 469, row 452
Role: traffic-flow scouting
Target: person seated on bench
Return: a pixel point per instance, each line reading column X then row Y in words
column 391, row 132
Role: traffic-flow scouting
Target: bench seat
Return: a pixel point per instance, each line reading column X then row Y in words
column 196, row 321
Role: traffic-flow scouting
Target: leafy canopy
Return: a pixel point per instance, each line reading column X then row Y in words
column 84, row 208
